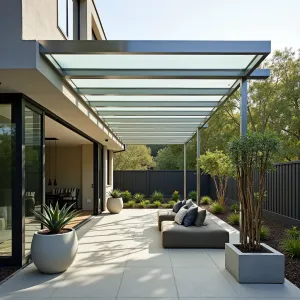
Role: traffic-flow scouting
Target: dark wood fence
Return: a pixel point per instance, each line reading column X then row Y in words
column 282, row 186
column 146, row 182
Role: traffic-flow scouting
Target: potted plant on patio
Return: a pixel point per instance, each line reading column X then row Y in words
column 252, row 261
column 115, row 201
column 54, row 249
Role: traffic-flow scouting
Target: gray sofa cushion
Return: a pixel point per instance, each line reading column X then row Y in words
column 180, row 215
column 177, row 206
column 191, row 216
column 165, row 215
column 209, row 236
column 201, row 215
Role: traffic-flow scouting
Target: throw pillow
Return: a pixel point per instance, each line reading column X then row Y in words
column 180, row 215
column 189, row 203
column 73, row 193
column 201, row 215
column 191, row 216
column 177, row 206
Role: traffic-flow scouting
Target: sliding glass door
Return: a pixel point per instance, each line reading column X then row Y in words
column 7, row 166
column 33, row 173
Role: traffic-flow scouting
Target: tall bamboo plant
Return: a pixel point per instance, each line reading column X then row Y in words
column 254, row 152
column 218, row 165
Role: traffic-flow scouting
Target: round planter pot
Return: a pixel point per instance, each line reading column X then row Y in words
column 54, row 253
column 114, row 205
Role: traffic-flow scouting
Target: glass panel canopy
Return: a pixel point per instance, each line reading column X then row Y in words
column 152, row 92
column 119, row 61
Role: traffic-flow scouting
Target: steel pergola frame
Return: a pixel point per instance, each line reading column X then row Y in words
column 138, row 114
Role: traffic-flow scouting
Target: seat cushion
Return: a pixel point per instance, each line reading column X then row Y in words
column 165, row 215
column 211, row 235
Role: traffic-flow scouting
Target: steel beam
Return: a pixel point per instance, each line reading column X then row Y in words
column 187, row 103
column 174, row 121
column 155, row 47
column 155, row 91
column 164, row 74
column 150, row 134
column 243, row 130
column 110, row 113
column 198, row 166
column 184, row 171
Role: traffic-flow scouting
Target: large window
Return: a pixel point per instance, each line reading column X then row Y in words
column 65, row 17
column 33, row 173
column 7, row 166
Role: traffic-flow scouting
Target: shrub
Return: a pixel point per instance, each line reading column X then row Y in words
column 126, row 195
column 55, row 219
column 172, row 203
column 139, row 197
column 151, row 205
column 131, row 203
column 293, row 233
column 264, row 232
column 217, row 208
column 291, row 242
column 206, row 200
column 157, row 196
column 235, row 208
column 175, row 196
column 115, row 193
column 147, row 202
column 139, row 205
column 233, row 219
column 193, row 195
column 166, row 205
column 156, row 204
column 291, row 247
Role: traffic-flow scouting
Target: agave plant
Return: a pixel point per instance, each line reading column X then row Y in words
column 115, row 193
column 55, row 219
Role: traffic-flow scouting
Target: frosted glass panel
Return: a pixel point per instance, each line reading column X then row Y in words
column 153, row 83
column 118, row 61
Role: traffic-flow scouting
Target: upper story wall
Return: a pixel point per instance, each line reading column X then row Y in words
column 40, row 20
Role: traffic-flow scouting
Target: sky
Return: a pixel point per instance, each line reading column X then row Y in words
column 275, row 20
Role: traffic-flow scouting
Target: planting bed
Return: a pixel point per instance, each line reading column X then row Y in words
column 276, row 235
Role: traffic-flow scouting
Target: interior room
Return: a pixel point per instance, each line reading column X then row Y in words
column 68, row 176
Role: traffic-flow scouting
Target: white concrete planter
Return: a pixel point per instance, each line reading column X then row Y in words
column 114, row 205
column 54, row 253
column 255, row 267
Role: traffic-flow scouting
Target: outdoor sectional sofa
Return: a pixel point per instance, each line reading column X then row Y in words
column 210, row 235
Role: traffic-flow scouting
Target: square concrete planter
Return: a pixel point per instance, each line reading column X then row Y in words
column 255, row 267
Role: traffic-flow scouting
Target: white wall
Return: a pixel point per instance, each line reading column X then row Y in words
column 88, row 20
column 39, row 20
column 68, row 168
column 107, row 187
column 87, row 177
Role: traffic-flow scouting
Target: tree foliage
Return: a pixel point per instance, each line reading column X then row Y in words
column 218, row 165
column 136, row 157
column 273, row 106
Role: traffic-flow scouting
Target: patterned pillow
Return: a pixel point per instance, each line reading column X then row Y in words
column 191, row 216
column 180, row 215
column 201, row 215
column 189, row 203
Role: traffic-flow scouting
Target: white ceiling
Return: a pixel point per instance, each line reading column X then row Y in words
column 65, row 136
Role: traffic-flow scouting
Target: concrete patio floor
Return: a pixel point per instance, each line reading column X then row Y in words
column 120, row 257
